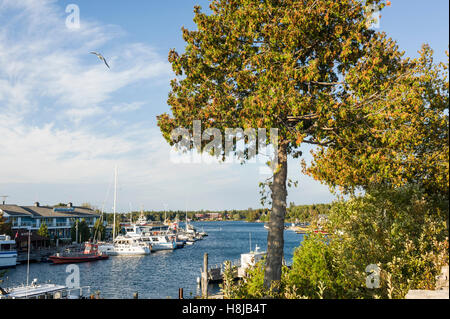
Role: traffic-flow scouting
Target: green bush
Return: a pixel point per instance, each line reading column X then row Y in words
column 401, row 230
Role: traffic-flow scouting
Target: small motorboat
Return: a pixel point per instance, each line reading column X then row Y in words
column 90, row 253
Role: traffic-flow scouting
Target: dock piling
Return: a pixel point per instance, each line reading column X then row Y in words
column 204, row 280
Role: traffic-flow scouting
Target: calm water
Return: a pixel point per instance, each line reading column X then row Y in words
column 160, row 274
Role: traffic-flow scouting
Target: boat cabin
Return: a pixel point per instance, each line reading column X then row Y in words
column 44, row 291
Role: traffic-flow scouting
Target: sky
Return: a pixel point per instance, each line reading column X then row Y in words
column 66, row 120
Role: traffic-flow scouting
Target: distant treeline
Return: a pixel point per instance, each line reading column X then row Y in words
column 295, row 213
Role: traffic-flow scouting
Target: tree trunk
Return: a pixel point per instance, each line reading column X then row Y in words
column 275, row 238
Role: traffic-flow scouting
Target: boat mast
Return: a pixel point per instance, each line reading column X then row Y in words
column 28, row 260
column 165, row 213
column 131, row 215
column 115, row 200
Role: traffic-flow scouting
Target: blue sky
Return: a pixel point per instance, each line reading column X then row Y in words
column 66, row 120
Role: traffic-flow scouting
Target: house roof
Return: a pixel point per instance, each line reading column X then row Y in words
column 46, row 211
column 14, row 210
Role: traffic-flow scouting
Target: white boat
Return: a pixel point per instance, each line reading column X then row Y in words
column 8, row 252
column 44, row 291
column 250, row 259
column 125, row 246
column 162, row 243
column 155, row 240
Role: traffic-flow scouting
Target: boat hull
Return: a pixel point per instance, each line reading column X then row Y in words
column 164, row 246
column 8, row 259
column 111, row 250
column 72, row 260
column 129, row 253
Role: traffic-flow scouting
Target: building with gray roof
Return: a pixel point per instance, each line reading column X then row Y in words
column 59, row 219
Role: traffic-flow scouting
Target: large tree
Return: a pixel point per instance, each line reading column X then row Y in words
column 313, row 69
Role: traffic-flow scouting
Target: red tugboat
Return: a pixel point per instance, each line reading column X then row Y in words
column 90, row 253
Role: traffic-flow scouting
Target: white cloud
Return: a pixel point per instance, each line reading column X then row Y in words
column 127, row 107
column 50, row 84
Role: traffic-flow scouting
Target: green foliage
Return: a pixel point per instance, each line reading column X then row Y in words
column 406, row 141
column 401, row 230
column 306, row 213
column 251, row 286
column 227, row 286
column 43, row 230
column 312, row 264
column 99, row 230
column 84, row 233
column 5, row 227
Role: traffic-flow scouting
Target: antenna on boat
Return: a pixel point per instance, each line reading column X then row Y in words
column 250, row 235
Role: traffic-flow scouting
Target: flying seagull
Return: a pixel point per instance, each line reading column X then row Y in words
column 101, row 58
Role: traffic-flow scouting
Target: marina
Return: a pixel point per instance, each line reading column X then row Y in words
column 162, row 273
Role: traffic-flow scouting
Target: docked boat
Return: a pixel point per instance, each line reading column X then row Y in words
column 250, row 259
column 162, row 243
column 8, row 252
column 125, row 246
column 156, row 240
column 180, row 243
column 44, row 291
column 90, row 253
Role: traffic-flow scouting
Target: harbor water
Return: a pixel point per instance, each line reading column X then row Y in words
column 162, row 273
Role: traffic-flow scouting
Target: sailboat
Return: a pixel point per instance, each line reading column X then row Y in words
column 123, row 244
